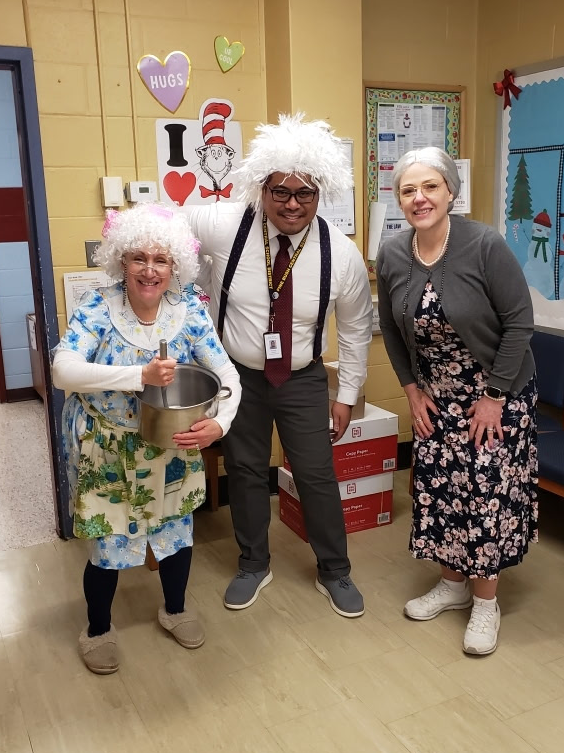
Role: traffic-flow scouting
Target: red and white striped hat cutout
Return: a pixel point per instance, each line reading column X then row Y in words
column 213, row 122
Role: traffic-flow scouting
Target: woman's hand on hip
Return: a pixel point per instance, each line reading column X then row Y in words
column 159, row 372
column 486, row 421
column 201, row 435
column 420, row 404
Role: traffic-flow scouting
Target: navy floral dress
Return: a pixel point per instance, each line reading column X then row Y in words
column 474, row 509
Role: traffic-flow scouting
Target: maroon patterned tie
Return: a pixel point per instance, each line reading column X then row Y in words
column 278, row 370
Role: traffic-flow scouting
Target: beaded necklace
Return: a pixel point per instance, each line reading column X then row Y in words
column 417, row 255
column 142, row 321
column 414, row 254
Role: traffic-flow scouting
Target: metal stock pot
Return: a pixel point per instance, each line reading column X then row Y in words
column 193, row 395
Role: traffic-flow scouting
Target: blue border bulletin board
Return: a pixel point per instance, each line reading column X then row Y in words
column 531, row 199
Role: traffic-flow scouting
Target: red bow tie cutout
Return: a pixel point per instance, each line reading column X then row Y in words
column 502, row 88
column 224, row 192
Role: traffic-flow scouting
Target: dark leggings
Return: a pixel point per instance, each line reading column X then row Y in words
column 100, row 586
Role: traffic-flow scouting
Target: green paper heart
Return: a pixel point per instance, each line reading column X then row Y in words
column 228, row 55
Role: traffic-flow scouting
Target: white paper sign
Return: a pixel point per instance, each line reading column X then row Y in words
column 375, row 225
column 462, row 202
column 341, row 211
column 78, row 283
column 196, row 158
column 393, row 227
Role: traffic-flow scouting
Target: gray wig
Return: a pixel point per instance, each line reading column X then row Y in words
column 433, row 157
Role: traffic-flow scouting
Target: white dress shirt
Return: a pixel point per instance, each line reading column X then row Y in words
column 248, row 305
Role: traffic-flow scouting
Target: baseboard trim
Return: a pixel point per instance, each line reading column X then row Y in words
column 21, row 394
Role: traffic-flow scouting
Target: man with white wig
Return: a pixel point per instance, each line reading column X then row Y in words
column 278, row 273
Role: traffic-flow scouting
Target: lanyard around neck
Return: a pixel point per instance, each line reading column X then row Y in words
column 275, row 293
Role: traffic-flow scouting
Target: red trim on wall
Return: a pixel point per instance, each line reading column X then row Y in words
column 13, row 225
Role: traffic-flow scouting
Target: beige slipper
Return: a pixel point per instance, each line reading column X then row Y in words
column 184, row 626
column 100, row 653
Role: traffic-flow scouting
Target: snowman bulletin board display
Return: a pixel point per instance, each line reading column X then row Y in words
column 196, row 157
column 531, row 203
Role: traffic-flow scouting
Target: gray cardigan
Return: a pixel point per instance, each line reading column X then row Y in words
column 485, row 299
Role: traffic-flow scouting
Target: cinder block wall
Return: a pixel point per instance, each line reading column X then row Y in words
column 96, row 116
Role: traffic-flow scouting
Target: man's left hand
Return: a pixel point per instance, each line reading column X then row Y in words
column 201, row 434
column 341, row 419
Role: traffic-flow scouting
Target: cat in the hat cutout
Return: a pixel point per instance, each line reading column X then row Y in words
column 216, row 157
column 196, row 157
column 168, row 82
column 539, row 269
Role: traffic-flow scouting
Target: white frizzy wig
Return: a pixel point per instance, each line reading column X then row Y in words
column 148, row 227
column 294, row 147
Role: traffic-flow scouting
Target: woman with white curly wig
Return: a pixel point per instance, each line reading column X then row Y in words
column 127, row 493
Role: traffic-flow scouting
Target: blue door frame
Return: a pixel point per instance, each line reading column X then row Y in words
column 47, row 330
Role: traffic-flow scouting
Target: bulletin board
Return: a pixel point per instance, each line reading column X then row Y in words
column 530, row 174
column 400, row 118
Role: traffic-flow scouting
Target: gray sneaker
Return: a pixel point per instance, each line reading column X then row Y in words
column 343, row 595
column 245, row 587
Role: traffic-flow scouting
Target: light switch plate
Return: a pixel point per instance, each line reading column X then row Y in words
column 91, row 246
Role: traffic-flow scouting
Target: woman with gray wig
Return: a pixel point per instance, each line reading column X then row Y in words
column 456, row 317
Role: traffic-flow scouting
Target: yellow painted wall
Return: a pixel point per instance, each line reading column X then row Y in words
column 509, row 35
column 410, row 43
column 96, row 116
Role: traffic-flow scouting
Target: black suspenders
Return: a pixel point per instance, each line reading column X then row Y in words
column 234, row 256
column 324, row 284
column 324, row 279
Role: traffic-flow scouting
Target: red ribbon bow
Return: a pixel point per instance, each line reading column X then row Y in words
column 225, row 192
column 502, row 88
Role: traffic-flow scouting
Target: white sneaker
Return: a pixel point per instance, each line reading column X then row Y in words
column 440, row 598
column 481, row 634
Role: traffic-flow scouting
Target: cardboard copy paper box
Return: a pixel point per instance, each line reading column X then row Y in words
column 367, row 502
column 369, row 446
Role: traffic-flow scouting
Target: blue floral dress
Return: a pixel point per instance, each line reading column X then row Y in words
column 474, row 510
column 124, row 491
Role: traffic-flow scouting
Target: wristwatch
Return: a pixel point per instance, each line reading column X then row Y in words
column 494, row 393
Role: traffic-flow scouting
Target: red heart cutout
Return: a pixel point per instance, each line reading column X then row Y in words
column 179, row 187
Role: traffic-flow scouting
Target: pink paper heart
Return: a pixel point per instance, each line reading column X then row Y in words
column 179, row 187
column 168, row 82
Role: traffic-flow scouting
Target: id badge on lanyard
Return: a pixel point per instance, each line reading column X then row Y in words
column 272, row 339
column 272, row 346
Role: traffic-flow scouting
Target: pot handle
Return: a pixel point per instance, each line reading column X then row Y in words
column 227, row 391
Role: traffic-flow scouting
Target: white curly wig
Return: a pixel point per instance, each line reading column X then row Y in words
column 145, row 226
column 294, row 147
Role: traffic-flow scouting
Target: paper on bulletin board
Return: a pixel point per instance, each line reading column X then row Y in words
column 385, row 190
column 402, row 127
column 76, row 284
column 341, row 211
